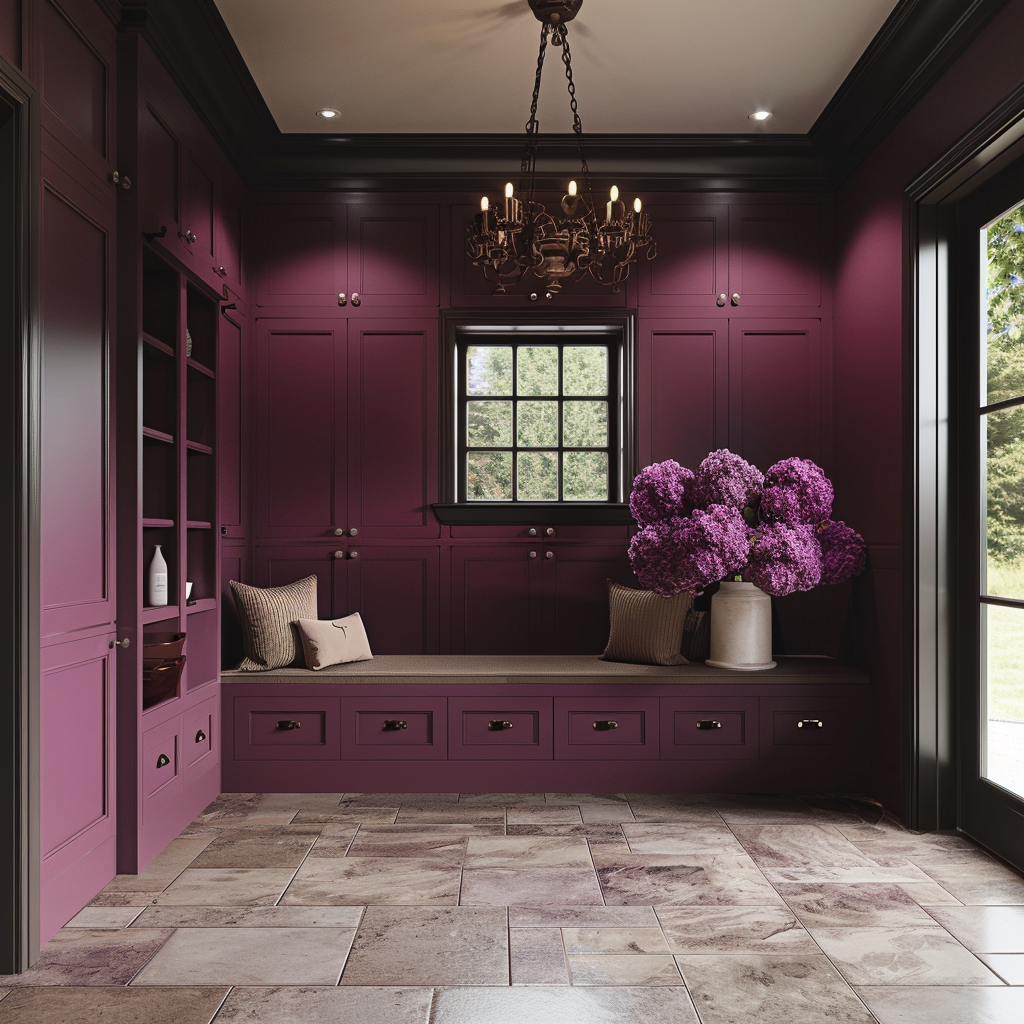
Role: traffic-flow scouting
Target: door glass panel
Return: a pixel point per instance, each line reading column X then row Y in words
column 1004, row 295
column 1004, row 502
column 1002, row 643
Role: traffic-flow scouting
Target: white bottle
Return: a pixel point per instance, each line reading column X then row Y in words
column 157, row 579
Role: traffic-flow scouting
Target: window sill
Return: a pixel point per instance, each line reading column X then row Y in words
column 523, row 513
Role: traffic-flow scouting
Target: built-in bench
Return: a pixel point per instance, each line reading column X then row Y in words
column 476, row 723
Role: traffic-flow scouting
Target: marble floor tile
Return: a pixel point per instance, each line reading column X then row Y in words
column 537, row 957
column 543, row 814
column 758, row 808
column 585, row 798
column 981, row 882
column 601, row 831
column 682, row 839
column 430, row 946
column 617, row 969
column 444, row 847
column 799, row 846
column 249, row 917
column 114, row 1005
column 397, row 799
column 1009, row 966
column 335, row 841
column 844, row 810
column 582, row 917
column 443, row 812
column 734, row 930
column 920, row 955
column 501, row 798
column 677, row 880
column 163, row 868
column 123, row 899
column 304, row 1005
column 226, row 887
column 323, row 802
column 929, row 894
column 614, row 940
column 693, row 809
column 352, row 816
column 374, row 880
column 924, row 1005
column 846, row 874
column 249, row 956
column 77, row 956
column 527, row 852
column 984, row 929
column 104, row 917
column 610, row 812
column 828, row 904
column 531, row 887
column 243, row 808
column 743, row 989
column 623, row 1005
column 264, row 847
column 433, row 829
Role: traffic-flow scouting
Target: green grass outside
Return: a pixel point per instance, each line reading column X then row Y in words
column 1005, row 644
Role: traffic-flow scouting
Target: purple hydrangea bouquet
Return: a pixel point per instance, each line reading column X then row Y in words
column 728, row 521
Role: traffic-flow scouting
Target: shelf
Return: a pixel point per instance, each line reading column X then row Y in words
column 160, row 346
column 167, row 611
column 197, row 446
column 157, row 524
column 200, row 368
column 152, row 434
column 198, row 524
column 203, row 604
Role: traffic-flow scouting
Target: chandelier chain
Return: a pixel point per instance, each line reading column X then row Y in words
column 562, row 36
column 529, row 164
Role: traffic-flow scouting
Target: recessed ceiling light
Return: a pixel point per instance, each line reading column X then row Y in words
column 760, row 115
column 328, row 112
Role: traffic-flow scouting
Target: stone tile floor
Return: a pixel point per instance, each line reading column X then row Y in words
column 541, row 908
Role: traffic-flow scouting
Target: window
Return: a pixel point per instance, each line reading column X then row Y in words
column 539, row 416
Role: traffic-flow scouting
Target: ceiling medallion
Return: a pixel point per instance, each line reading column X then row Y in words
column 517, row 236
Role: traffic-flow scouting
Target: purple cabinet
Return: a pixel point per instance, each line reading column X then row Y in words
column 10, row 33
column 709, row 728
column 812, row 727
column 606, row 728
column 394, row 728
column 286, row 728
column 499, row 727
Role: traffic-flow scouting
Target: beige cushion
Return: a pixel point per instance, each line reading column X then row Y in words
column 646, row 628
column 266, row 613
column 333, row 641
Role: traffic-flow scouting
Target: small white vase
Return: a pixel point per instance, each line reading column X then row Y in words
column 741, row 628
column 157, row 582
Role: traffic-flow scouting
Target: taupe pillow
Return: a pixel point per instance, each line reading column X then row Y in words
column 266, row 613
column 334, row 641
column 646, row 628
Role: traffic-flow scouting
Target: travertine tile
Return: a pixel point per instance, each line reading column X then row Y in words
column 123, row 899
column 532, row 887
column 264, row 847
column 982, row 881
column 929, row 894
column 501, row 798
column 537, row 957
column 374, row 880
column 243, row 808
column 305, row 1005
column 249, row 917
column 428, row 828
column 614, row 940
column 734, row 930
column 616, row 969
column 396, row 799
column 582, row 917
column 104, row 917
column 441, row 846
column 249, row 956
column 600, row 831
column 610, row 812
column 742, row 989
column 585, row 798
column 430, row 946
column 335, row 841
column 758, row 808
column 543, row 814
column 800, row 846
column 694, row 809
column 226, row 887
column 323, row 802
column 351, row 816
column 111, row 1005
column 829, row 904
column 674, row 838
column 527, row 851
column 927, row 1005
column 984, row 929
column 1009, row 966
column 443, row 812
column 163, row 868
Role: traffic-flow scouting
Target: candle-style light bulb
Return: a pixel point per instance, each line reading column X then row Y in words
column 572, row 188
column 637, row 204
column 614, row 193
column 508, row 190
column 485, row 204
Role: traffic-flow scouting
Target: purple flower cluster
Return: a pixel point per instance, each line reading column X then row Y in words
column 796, row 492
column 661, row 491
column 693, row 530
column 725, row 479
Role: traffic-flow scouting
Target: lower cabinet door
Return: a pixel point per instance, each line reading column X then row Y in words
column 199, row 737
column 619, row 728
column 709, row 728
column 814, row 728
column 287, row 729
column 496, row 728
column 161, row 763
column 394, row 729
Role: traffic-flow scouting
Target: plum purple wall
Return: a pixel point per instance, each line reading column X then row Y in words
column 868, row 349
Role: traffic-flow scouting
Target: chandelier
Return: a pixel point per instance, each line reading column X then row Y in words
column 582, row 237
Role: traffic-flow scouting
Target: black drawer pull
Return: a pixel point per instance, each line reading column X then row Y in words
column 288, row 724
column 200, row 736
column 163, row 761
column 709, row 723
column 605, row 725
column 394, row 724
column 810, row 723
column 497, row 726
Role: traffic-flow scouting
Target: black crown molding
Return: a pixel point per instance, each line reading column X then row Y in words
column 917, row 43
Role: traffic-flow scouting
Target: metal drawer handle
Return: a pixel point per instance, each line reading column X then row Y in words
column 163, row 761
column 394, row 724
column 200, row 736
column 605, row 725
column 288, row 724
column 497, row 726
column 709, row 723
column 810, row 723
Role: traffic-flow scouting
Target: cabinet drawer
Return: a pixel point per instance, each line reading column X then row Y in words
column 161, row 759
column 199, row 736
column 702, row 728
column 394, row 729
column 620, row 728
column 298, row 729
column 517, row 728
column 813, row 728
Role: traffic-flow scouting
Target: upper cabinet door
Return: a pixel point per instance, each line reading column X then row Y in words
column 197, row 223
column 775, row 256
column 392, row 258
column 74, row 62
column 301, row 254
column 229, row 229
column 691, row 268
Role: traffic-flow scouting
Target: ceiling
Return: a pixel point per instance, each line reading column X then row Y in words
column 651, row 67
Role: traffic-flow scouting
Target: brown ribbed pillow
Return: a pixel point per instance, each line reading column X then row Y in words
column 646, row 628
column 268, row 637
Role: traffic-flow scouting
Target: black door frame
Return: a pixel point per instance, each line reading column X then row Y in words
column 20, row 390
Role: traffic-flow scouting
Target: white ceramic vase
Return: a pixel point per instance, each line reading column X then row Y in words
column 741, row 628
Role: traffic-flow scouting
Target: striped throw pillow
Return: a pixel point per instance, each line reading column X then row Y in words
column 646, row 628
column 266, row 613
